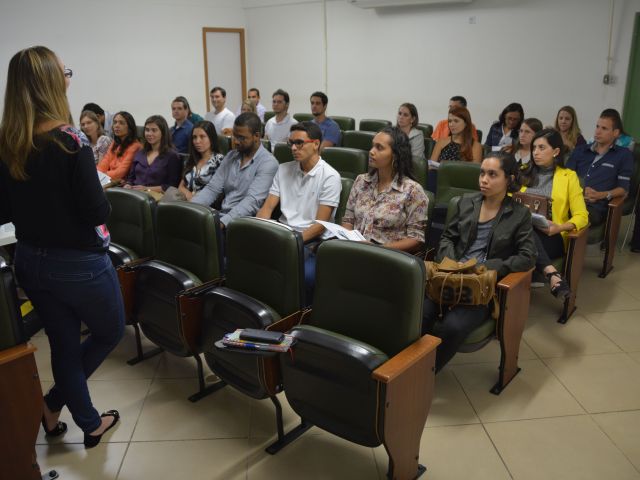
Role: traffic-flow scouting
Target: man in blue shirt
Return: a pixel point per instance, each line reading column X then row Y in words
column 330, row 130
column 181, row 130
column 604, row 168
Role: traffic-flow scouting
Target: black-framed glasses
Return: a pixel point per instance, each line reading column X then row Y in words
column 68, row 73
column 298, row 143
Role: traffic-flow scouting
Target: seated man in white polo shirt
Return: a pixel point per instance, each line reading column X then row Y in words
column 307, row 189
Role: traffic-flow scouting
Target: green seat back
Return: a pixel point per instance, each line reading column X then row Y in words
column 369, row 293
column 131, row 222
column 427, row 129
column 224, row 144
column 479, row 135
column 429, row 144
column 268, row 115
column 266, row 144
column 349, row 162
column 303, row 117
column 265, row 261
column 373, row 125
column 347, row 183
column 188, row 238
column 345, row 123
column 282, row 152
column 11, row 324
column 419, row 169
column 140, row 132
column 358, row 139
column 456, row 178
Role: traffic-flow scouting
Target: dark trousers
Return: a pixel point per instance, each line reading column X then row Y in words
column 597, row 216
column 453, row 328
column 66, row 287
column 549, row 247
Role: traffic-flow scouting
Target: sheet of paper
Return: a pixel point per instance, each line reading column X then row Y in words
column 104, row 178
column 434, row 165
column 340, row 232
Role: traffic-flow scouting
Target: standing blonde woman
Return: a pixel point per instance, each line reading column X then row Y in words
column 100, row 143
column 50, row 190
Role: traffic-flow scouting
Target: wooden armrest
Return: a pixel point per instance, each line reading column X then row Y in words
column 579, row 233
column 396, row 365
column 513, row 279
column 13, row 353
column 616, row 202
column 287, row 323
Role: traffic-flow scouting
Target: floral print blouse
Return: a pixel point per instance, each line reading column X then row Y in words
column 195, row 179
column 397, row 213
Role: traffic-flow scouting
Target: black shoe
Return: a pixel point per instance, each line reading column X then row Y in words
column 561, row 289
column 91, row 441
column 56, row 431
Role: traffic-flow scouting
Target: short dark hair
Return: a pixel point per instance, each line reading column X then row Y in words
column 282, row 93
column 183, row 101
column 165, row 141
column 509, row 165
column 93, row 107
column 401, row 149
column 323, row 97
column 254, row 89
column 460, row 99
column 312, row 129
column 222, row 91
column 250, row 120
column 613, row 115
column 512, row 107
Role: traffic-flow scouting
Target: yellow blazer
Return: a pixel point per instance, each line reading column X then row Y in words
column 567, row 199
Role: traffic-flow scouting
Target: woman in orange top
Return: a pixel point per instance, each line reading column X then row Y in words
column 117, row 161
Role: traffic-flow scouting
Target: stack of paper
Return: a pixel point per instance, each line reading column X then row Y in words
column 342, row 233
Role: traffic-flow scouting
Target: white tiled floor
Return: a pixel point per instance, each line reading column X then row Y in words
column 573, row 412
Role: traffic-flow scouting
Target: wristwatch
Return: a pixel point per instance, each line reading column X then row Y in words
column 609, row 196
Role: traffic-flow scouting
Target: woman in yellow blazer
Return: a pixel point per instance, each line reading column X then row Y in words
column 546, row 175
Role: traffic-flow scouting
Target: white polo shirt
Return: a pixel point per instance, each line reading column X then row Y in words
column 301, row 194
column 278, row 132
column 221, row 120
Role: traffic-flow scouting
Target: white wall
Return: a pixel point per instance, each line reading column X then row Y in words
column 125, row 54
column 139, row 54
column 541, row 53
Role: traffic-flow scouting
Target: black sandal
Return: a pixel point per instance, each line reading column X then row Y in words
column 56, row 431
column 91, row 441
column 561, row 289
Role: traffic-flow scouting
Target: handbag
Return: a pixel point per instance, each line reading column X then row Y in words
column 535, row 203
column 452, row 283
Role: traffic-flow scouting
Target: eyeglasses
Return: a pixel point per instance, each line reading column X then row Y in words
column 298, row 143
column 68, row 73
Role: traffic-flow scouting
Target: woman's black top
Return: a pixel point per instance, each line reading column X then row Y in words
column 61, row 204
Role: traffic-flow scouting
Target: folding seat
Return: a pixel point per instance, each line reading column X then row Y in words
column 303, row 117
column 347, row 183
column 263, row 289
column 282, row 152
column 224, row 144
column 268, row 115
column 359, row 368
column 266, row 143
column 426, row 128
column 358, row 139
column 345, row 123
column 373, row 125
column 188, row 260
column 349, row 162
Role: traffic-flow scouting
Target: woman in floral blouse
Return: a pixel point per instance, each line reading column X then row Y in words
column 92, row 128
column 387, row 205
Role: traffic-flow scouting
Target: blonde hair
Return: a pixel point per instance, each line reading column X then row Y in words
column 35, row 93
column 574, row 131
column 94, row 118
column 248, row 103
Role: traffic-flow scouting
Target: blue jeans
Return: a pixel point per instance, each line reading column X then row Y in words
column 67, row 287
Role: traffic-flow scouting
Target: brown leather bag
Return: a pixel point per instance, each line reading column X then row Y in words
column 535, row 203
column 452, row 283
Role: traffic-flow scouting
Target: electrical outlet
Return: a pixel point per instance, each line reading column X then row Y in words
column 606, row 79
column 473, row 20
